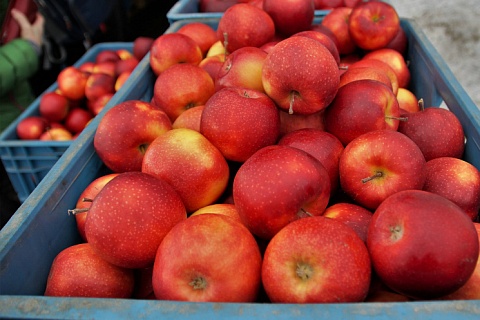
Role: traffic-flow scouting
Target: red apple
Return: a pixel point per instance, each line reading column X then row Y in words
column 227, row 209
column 141, row 46
column 337, row 22
column 126, row 65
column 53, row 106
column 96, row 106
column 407, row 101
column 380, row 65
column 399, row 42
column 378, row 164
column 78, row 271
column 471, row 289
column 186, row 267
column 203, row 34
column 87, row 67
column 361, row 106
column 300, row 75
column 319, row 27
column 31, row 128
column 278, row 185
column 216, row 49
column 173, row 48
column 189, row 119
column 354, row 216
column 215, row 5
column 242, row 68
column 191, row 164
column 308, row 260
column 396, row 61
column 106, row 67
column 373, row 25
column 239, row 122
column 298, row 16
column 414, row 232
column 244, row 25
column 107, row 55
column 124, row 53
column 120, row 81
column 125, row 132
column 71, row 82
column 212, row 64
column 362, row 73
column 129, row 218
column 295, row 121
column 327, row 4
column 323, row 146
column 56, row 134
column 437, row 131
column 181, row 87
column 99, row 84
column 456, row 180
column 77, row 119
column 85, row 201
column 323, row 39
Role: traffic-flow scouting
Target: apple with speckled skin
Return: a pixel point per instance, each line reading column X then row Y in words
column 125, row 131
column 188, row 161
column 323, row 146
column 379, row 163
column 31, row 128
column 359, row 107
column 71, row 82
column 180, row 87
column 306, row 262
column 300, row 75
column 380, row 65
column 278, row 185
column 437, row 132
column 227, row 209
column 296, row 18
column 456, row 180
column 203, row 34
column 186, row 266
column 413, row 232
column 239, row 122
column 130, row 216
column 355, row 216
column 78, row 271
column 189, row 118
column 361, row 73
column 396, row 61
column 324, row 39
column 53, row 106
column 337, row 22
column 408, row 101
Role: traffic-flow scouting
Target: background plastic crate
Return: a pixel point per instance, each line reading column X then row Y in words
column 189, row 9
column 27, row 162
column 41, row 228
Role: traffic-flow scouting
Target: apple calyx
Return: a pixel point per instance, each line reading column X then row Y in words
column 421, row 104
column 304, row 271
column 377, row 174
column 302, row 213
column 143, row 148
column 396, row 233
column 77, row 211
column 292, row 100
column 198, row 283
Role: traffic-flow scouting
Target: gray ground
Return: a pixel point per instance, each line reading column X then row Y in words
column 453, row 27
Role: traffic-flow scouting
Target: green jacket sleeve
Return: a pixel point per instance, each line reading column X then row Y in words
column 18, row 62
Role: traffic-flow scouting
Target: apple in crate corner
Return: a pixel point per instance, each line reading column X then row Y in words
column 53, row 106
column 379, row 163
column 239, row 122
column 457, row 180
column 31, row 128
column 244, row 25
column 189, row 162
column 300, row 75
column 413, row 233
column 180, row 87
column 373, row 25
column 85, row 201
column 297, row 17
column 187, row 267
column 78, row 271
column 173, row 48
column 437, row 132
column 129, row 218
column 71, row 82
column 308, row 260
column 278, row 185
column 242, row 68
column 359, row 107
column 125, row 131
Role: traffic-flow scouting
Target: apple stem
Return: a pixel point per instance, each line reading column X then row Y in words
column 377, row 174
column 292, row 99
column 77, row 211
column 343, row 67
column 225, row 44
column 397, row 118
column 87, row 200
column 421, row 104
column 199, row 283
column 304, row 212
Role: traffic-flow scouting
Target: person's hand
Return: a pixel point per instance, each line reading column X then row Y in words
column 32, row 32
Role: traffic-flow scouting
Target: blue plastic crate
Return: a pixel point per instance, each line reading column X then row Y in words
column 27, row 162
column 189, row 9
column 41, row 228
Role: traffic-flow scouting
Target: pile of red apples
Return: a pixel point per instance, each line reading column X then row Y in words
column 82, row 92
column 278, row 161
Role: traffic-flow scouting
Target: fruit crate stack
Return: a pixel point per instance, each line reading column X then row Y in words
column 27, row 162
column 41, row 228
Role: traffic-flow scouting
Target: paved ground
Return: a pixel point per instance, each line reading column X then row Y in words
column 453, row 27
